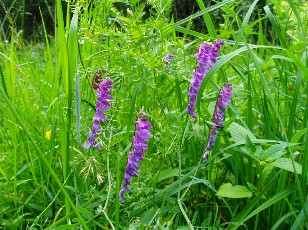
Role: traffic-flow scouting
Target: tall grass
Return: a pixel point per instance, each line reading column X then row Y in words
column 255, row 176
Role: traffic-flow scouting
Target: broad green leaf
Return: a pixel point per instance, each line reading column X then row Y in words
column 286, row 164
column 239, row 133
column 274, row 152
column 230, row 191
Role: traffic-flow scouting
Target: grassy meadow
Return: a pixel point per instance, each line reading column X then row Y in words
column 255, row 176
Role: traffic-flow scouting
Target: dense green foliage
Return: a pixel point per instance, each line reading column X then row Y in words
column 254, row 178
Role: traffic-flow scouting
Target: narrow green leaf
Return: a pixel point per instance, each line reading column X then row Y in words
column 88, row 214
column 299, row 63
column 274, row 199
column 72, row 49
column 172, row 189
column 294, row 106
column 202, row 12
column 61, row 39
column 281, row 220
column 275, row 25
column 2, row 82
column 300, row 218
column 149, row 216
column 75, row 190
column 78, row 104
column 222, row 61
column 4, row 174
column 245, row 215
column 168, row 173
column 245, row 22
column 207, row 20
column 191, row 32
column 42, row 156
column 67, row 226
column 298, row 17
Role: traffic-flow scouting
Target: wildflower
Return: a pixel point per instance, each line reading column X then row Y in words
column 142, row 135
column 168, row 59
column 206, row 58
column 218, row 116
column 97, row 79
column 103, row 94
column 48, row 134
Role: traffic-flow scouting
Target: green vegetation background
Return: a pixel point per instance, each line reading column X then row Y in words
column 256, row 175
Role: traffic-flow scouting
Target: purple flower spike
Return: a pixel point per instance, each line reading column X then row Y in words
column 206, row 58
column 91, row 140
column 103, row 94
column 168, row 59
column 142, row 135
column 97, row 79
column 218, row 116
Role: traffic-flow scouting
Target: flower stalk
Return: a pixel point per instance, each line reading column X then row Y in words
column 225, row 95
column 102, row 105
column 142, row 135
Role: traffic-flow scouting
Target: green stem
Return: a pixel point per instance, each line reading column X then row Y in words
column 117, row 201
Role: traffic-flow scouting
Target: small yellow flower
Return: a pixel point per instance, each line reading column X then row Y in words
column 48, row 134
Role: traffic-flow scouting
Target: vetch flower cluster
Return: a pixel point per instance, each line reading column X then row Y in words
column 168, row 59
column 206, row 58
column 218, row 116
column 97, row 79
column 142, row 135
column 103, row 95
